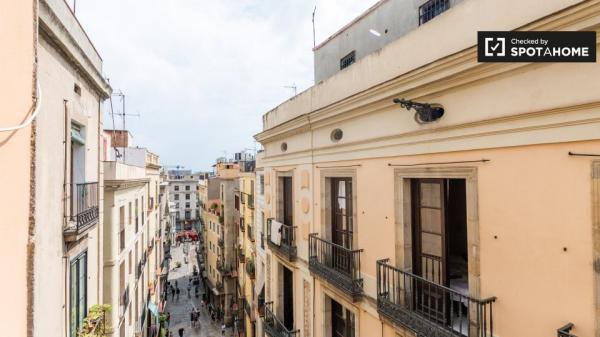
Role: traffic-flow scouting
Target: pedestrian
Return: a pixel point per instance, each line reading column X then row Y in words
column 223, row 329
column 192, row 317
column 181, row 330
column 189, row 288
column 168, row 318
column 177, row 292
column 172, row 293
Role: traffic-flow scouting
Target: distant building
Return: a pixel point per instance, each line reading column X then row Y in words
column 184, row 185
column 135, row 238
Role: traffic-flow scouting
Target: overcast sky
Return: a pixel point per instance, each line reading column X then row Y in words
column 201, row 73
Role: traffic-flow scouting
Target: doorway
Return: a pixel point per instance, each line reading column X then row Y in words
column 288, row 299
column 439, row 236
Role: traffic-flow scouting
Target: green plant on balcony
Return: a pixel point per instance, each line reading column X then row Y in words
column 93, row 323
column 250, row 268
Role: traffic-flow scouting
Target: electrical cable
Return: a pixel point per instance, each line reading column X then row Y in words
column 37, row 104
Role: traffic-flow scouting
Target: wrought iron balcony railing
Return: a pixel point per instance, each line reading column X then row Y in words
column 85, row 206
column 565, row 331
column 287, row 245
column 336, row 264
column 428, row 308
column 274, row 327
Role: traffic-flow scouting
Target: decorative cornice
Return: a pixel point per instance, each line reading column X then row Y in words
column 444, row 74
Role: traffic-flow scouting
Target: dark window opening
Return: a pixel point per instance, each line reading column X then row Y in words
column 431, row 9
column 347, row 60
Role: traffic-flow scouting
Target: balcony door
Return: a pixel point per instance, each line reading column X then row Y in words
column 439, row 244
column 288, row 201
column 341, row 212
column 341, row 225
column 288, row 299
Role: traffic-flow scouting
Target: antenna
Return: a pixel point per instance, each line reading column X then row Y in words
column 123, row 114
column 313, row 23
column 293, row 86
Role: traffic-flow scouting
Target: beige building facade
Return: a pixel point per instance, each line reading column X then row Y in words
column 134, row 273
column 63, row 178
column 481, row 223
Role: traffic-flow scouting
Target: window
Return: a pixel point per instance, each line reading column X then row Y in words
column 130, row 211
column 187, row 187
column 187, row 205
column 431, row 9
column 121, row 228
column 261, row 184
column 176, row 196
column 347, row 60
column 187, row 196
column 188, row 215
column 78, row 292
column 176, row 187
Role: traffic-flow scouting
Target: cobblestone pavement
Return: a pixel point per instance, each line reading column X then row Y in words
column 181, row 308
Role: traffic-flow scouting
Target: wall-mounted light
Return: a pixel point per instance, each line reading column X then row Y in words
column 424, row 112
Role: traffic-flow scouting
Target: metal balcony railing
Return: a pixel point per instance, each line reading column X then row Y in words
column 336, row 264
column 124, row 301
column 85, row 205
column 274, row 327
column 287, row 246
column 431, row 9
column 250, row 233
column 429, row 308
column 565, row 331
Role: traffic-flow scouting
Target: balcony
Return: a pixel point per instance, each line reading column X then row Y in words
column 336, row 264
column 250, row 233
column 287, row 245
column 221, row 242
column 124, row 301
column 565, row 331
column 428, row 308
column 274, row 327
column 84, row 210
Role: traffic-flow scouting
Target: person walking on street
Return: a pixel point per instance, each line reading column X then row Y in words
column 189, row 289
column 177, row 292
column 181, row 330
column 223, row 330
column 192, row 318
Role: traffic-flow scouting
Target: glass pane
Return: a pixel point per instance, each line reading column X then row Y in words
column 341, row 188
column 431, row 244
column 73, row 299
column 430, row 195
column 431, row 220
column 82, row 289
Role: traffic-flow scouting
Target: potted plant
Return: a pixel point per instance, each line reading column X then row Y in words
column 250, row 268
column 94, row 323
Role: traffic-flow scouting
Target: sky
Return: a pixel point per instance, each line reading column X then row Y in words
column 200, row 74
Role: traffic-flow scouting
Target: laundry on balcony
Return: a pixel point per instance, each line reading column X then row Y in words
column 276, row 232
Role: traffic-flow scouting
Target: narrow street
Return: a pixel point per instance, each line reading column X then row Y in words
column 180, row 308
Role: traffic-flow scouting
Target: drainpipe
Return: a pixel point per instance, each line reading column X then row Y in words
column 312, row 168
column 100, row 225
column 65, row 213
column 65, row 164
